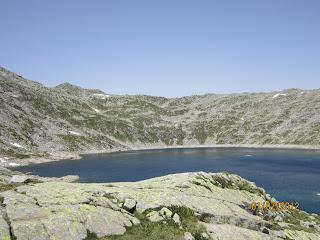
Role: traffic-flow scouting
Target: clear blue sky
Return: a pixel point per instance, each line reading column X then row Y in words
column 164, row 47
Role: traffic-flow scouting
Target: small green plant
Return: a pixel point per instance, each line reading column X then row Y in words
column 150, row 231
column 167, row 230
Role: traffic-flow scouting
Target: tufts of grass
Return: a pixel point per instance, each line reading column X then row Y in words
column 73, row 142
column 151, row 231
column 202, row 185
column 248, row 187
column 9, row 186
column 14, row 153
column 294, row 218
column 189, row 221
column 91, row 236
column 160, row 230
column 21, row 155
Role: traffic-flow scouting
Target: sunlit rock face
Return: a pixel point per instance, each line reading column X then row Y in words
column 220, row 203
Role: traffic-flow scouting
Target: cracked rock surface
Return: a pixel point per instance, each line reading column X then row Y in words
column 60, row 210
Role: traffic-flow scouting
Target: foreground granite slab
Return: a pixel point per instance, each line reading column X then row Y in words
column 221, row 202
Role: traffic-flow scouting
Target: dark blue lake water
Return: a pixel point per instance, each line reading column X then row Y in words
column 289, row 175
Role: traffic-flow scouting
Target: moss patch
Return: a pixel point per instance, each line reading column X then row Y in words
column 151, row 231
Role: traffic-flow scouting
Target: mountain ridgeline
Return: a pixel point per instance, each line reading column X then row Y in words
column 39, row 121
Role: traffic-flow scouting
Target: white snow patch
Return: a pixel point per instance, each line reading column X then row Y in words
column 242, row 118
column 302, row 93
column 318, row 194
column 248, row 155
column 102, row 96
column 14, row 164
column 279, row 94
column 17, row 145
column 2, row 160
column 96, row 110
column 74, row 133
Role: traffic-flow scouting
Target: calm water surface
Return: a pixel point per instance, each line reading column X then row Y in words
column 289, row 175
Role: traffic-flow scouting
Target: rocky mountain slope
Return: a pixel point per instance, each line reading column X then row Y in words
column 40, row 121
column 189, row 206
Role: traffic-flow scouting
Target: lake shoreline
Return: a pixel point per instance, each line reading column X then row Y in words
column 60, row 156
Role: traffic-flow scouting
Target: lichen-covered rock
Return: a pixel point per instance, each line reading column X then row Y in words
column 231, row 232
column 129, row 204
column 154, row 216
column 18, row 179
column 176, row 219
column 60, row 210
column 188, row 236
column 278, row 219
column 4, row 230
column 165, row 212
column 205, row 236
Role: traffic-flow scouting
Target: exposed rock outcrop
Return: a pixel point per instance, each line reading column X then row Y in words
column 59, row 210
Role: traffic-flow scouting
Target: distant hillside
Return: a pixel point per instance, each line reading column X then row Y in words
column 36, row 120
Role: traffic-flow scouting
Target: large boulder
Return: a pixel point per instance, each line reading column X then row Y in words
column 129, row 204
column 18, row 179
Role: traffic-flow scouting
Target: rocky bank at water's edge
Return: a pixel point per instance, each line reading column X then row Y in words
column 59, row 156
column 179, row 206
